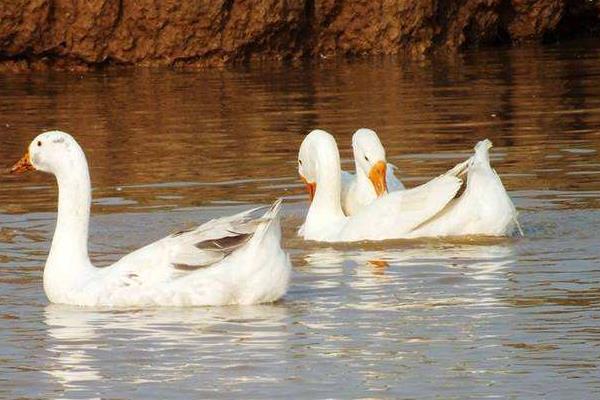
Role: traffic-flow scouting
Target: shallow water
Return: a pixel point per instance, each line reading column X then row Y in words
column 475, row 318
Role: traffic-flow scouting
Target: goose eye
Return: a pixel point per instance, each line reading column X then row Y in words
column 367, row 158
column 39, row 143
column 299, row 161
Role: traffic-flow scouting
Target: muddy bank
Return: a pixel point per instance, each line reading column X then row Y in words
column 81, row 33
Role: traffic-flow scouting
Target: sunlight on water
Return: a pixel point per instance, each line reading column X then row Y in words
column 470, row 318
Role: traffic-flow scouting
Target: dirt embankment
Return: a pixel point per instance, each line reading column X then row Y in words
column 70, row 33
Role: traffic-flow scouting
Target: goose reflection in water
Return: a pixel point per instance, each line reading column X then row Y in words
column 101, row 351
column 467, row 274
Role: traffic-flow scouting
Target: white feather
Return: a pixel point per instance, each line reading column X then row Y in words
column 231, row 260
column 432, row 209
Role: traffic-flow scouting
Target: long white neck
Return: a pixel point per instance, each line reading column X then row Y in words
column 68, row 258
column 363, row 183
column 325, row 214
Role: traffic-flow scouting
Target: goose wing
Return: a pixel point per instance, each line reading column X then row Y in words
column 393, row 183
column 347, row 180
column 190, row 250
column 398, row 213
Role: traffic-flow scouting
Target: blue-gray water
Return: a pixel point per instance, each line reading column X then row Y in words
column 460, row 319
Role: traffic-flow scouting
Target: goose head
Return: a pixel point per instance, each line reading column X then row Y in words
column 306, row 167
column 318, row 161
column 369, row 156
column 53, row 152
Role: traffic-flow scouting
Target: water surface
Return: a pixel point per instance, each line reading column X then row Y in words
column 476, row 318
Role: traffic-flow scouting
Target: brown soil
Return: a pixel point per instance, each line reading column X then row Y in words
column 74, row 34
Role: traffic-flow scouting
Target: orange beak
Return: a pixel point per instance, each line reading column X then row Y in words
column 377, row 176
column 23, row 165
column 311, row 188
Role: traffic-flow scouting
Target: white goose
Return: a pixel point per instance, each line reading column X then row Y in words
column 374, row 175
column 231, row 260
column 435, row 208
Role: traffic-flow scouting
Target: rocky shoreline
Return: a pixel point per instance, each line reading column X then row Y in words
column 73, row 34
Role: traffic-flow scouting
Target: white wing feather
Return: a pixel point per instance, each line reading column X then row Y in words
column 393, row 183
column 398, row 213
column 347, row 179
column 185, row 252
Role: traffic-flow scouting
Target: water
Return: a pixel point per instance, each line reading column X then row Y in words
column 460, row 319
